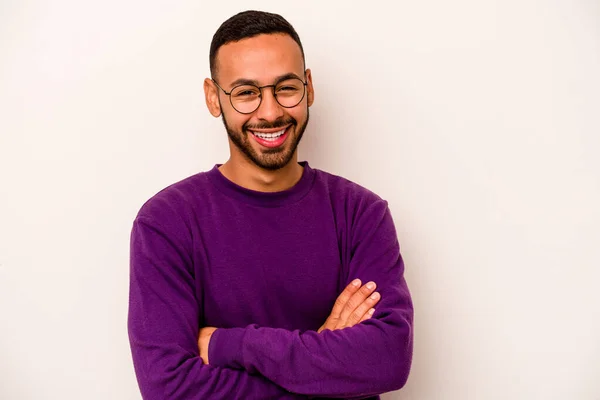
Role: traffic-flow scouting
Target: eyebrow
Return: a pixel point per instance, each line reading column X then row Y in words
column 244, row 81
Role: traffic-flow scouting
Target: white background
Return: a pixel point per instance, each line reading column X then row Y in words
column 477, row 120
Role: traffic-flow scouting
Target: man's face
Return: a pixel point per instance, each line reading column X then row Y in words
column 263, row 60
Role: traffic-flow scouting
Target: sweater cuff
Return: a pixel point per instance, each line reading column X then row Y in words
column 225, row 348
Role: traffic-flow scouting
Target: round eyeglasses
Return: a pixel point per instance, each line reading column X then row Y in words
column 246, row 98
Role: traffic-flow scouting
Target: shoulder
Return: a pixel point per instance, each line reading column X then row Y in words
column 343, row 191
column 358, row 211
column 175, row 200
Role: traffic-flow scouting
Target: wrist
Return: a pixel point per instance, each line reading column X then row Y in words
column 225, row 348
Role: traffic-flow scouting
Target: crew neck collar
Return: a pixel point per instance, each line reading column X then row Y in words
column 264, row 199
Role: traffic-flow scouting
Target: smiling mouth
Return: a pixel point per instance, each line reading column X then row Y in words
column 270, row 136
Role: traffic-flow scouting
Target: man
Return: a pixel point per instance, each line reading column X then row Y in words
column 264, row 278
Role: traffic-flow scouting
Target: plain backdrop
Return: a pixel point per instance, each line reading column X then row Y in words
column 479, row 122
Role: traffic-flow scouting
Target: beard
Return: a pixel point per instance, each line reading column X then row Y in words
column 269, row 159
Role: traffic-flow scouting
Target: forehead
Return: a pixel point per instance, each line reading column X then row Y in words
column 260, row 58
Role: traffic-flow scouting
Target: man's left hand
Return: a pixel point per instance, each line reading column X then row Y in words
column 203, row 341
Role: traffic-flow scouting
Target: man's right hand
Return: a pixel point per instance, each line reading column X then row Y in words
column 353, row 305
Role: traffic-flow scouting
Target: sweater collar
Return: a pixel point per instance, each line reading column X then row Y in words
column 264, row 199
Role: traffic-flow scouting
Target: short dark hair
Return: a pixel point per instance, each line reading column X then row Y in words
column 247, row 24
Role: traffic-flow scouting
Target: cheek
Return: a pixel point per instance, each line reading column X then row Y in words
column 299, row 114
column 235, row 120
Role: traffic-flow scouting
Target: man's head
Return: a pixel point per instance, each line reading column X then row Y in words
column 260, row 49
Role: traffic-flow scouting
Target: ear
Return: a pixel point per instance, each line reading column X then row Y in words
column 310, row 91
column 211, row 94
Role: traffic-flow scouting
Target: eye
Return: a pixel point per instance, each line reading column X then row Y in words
column 285, row 90
column 245, row 92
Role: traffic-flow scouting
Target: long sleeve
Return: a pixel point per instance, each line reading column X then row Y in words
column 367, row 359
column 163, row 324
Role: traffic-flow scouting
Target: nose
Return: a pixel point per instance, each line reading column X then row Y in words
column 269, row 109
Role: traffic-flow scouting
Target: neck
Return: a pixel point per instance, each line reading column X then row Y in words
column 250, row 176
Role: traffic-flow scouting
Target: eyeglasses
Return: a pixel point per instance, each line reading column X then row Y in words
column 246, row 98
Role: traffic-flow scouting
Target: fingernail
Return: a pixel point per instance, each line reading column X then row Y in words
column 356, row 282
column 371, row 285
column 371, row 311
column 375, row 296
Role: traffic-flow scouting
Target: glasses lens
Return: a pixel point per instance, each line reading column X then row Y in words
column 289, row 93
column 245, row 98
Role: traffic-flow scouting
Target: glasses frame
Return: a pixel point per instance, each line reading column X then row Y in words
column 260, row 88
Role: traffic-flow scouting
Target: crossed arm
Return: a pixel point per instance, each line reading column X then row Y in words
column 354, row 305
column 367, row 358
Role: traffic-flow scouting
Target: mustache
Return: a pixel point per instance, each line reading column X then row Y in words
column 271, row 125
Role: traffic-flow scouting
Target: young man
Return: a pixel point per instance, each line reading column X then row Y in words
column 264, row 278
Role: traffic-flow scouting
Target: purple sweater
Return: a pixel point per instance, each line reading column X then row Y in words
column 265, row 268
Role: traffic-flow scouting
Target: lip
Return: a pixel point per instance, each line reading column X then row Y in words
column 272, row 130
column 272, row 144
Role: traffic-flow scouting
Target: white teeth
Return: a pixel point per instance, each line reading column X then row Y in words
column 269, row 136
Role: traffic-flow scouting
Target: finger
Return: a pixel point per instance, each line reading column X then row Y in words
column 356, row 316
column 343, row 298
column 367, row 315
column 357, row 299
column 330, row 324
column 361, row 310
